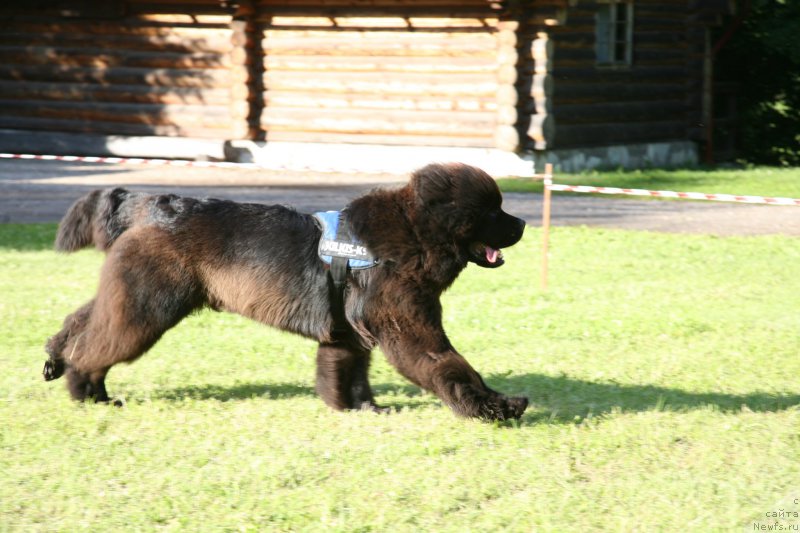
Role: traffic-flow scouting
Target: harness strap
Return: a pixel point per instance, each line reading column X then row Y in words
column 338, row 282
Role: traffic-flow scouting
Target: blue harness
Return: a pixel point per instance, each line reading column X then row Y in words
column 342, row 252
column 336, row 241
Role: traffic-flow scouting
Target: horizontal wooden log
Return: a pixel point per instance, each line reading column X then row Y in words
column 219, row 42
column 398, row 12
column 118, row 128
column 354, row 20
column 105, row 58
column 126, row 27
column 481, row 141
column 378, row 83
column 643, row 56
column 204, row 116
column 574, row 92
column 573, row 136
column 208, row 13
column 585, row 40
column 312, row 63
column 374, row 36
column 426, row 4
column 126, row 76
column 383, row 23
column 590, row 74
column 375, row 45
column 451, row 123
column 326, row 100
column 622, row 112
column 14, row 90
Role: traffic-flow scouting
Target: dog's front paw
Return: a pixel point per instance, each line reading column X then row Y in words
column 503, row 408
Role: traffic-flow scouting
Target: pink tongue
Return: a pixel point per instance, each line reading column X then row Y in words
column 491, row 254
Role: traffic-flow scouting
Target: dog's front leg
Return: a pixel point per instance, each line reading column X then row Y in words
column 439, row 368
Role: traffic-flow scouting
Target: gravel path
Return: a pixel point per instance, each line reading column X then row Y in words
column 41, row 191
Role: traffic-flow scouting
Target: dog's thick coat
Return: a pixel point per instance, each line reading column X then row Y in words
column 168, row 256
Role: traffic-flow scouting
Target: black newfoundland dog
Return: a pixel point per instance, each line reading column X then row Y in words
column 168, row 256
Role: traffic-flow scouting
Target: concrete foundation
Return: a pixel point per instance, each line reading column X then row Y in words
column 630, row 156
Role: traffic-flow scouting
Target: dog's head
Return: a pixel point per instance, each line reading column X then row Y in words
column 464, row 203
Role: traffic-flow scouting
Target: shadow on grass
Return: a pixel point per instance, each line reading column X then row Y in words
column 246, row 391
column 554, row 399
column 27, row 237
column 240, row 391
column 563, row 399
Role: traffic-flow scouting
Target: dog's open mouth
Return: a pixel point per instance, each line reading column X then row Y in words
column 484, row 255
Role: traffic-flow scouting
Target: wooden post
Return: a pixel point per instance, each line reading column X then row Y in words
column 548, row 180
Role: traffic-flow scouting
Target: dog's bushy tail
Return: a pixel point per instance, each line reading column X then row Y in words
column 95, row 219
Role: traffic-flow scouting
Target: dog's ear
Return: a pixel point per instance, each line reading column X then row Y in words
column 433, row 185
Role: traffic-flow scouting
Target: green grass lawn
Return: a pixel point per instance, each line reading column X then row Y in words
column 663, row 373
column 759, row 181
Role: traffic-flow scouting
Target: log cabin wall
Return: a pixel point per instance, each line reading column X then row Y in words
column 576, row 103
column 386, row 72
column 519, row 75
column 123, row 68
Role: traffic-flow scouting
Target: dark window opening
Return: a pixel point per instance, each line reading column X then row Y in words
column 614, row 34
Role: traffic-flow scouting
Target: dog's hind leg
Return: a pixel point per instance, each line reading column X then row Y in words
column 342, row 380
column 143, row 292
column 87, row 385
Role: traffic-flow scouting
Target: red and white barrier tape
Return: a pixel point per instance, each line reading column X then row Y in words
column 672, row 194
column 769, row 200
column 130, row 161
